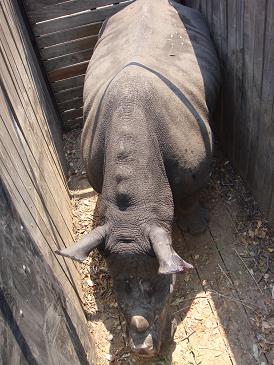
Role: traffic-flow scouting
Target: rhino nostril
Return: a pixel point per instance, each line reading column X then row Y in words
column 139, row 323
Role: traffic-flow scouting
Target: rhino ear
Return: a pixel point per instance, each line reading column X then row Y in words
column 169, row 261
column 81, row 249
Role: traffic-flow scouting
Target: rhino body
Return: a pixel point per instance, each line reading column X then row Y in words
column 149, row 90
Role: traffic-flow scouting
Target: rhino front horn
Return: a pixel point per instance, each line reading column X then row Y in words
column 81, row 249
column 169, row 261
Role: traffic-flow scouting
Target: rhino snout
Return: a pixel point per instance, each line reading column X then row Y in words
column 144, row 349
column 139, row 324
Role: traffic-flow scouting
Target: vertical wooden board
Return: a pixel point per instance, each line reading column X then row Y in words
column 38, row 325
column 215, row 25
column 254, row 115
column 15, row 77
column 34, row 84
column 271, row 208
column 43, row 216
column 202, row 7
column 229, row 79
column 216, row 34
column 39, row 235
column 264, row 164
column 209, row 14
column 34, row 141
column 239, row 125
column 247, row 105
column 30, row 164
column 15, row 150
column 223, row 62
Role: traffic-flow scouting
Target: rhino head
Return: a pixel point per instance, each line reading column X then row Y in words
column 143, row 280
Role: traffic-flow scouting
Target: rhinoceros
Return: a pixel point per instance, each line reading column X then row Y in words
column 149, row 92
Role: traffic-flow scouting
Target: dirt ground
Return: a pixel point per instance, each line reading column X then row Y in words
column 224, row 308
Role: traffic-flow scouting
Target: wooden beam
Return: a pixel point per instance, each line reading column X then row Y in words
column 68, row 72
column 61, row 49
column 76, row 20
column 51, row 11
column 67, row 35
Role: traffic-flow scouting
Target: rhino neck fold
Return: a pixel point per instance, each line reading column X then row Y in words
column 135, row 190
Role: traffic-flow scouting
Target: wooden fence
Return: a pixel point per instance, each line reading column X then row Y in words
column 31, row 171
column 243, row 33
column 66, row 33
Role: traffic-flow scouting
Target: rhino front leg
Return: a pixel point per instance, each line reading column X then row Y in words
column 192, row 217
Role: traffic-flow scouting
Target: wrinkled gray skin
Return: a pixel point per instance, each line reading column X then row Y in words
column 149, row 89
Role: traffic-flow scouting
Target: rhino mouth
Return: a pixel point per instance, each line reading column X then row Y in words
column 145, row 339
column 143, row 347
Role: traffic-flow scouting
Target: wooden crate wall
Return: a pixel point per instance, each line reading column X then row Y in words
column 31, row 171
column 66, row 33
column 243, row 34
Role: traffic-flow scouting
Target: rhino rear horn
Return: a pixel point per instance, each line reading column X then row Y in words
column 81, row 249
column 169, row 261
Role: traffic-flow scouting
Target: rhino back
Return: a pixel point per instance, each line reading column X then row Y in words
column 171, row 45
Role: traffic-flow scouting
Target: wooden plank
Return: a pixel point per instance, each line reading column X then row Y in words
column 41, row 236
column 73, row 124
column 271, row 208
column 56, row 10
column 78, row 45
column 23, row 101
column 29, row 125
column 231, row 323
column 68, row 72
column 67, row 60
column 68, row 35
column 223, row 59
column 17, row 163
column 209, row 13
column 27, row 282
column 72, row 114
column 28, row 73
column 23, row 108
column 262, row 177
column 264, row 160
column 247, row 80
column 12, row 163
column 257, row 13
column 68, row 83
column 222, row 228
column 31, row 171
column 69, row 94
column 215, row 24
column 229, row 78
column 238, row 72
column 203, row 8
column 92, row 16
column 71, row 104
column 204, row 314
column 32, row 161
